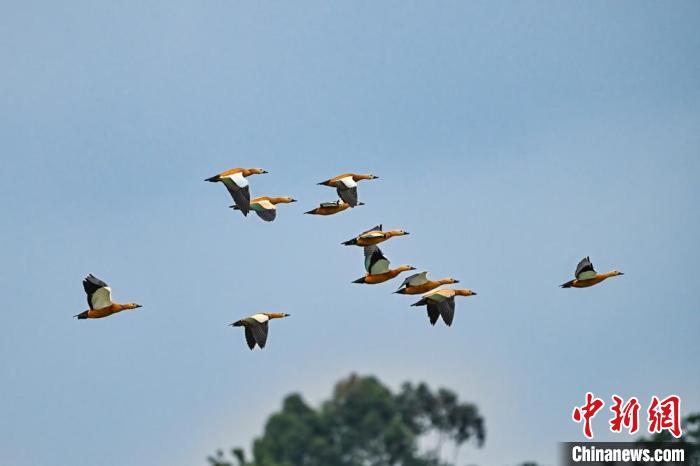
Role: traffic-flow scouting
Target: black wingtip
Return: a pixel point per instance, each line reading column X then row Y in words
column 359, row 280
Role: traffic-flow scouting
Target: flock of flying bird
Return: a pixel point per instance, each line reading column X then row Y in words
column 440, row 302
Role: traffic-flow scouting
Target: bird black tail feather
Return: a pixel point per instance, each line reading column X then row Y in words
column 82, row 315
column 350, row 242
column 359, row 280
column 213, row 179
column 567, row 284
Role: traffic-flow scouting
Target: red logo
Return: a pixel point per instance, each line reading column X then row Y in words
column 661, row 414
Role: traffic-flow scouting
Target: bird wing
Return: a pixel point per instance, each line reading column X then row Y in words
column 346, row 183
column 241, row 196
column 447, row 310
column 584, row 269
column 267, row 215
column 259, row 318
column 99, row 294
column 375, row 228
column 330, row 204
column 260, row 333
column 249, row 338
column 417, row 279
column 348, row 195
column 372, row 234
column 377, row 263
column 433, row 313
column 414, row 280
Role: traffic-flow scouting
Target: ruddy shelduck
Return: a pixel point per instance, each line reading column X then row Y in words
column 265, row 206
column 377, row 267
column 373, row 236
column 99, row 297
column 441, row 303
column 256, row 327
column 330, row 208
column 418, row 284
column 587, row 276
column 346, row 186
column 237, row 185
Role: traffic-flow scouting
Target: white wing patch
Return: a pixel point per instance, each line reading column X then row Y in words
column 587, row 275
column 262, row 318
column 372, row 234
column 102, row 297
column 418, row 279
column 267, row 205
column 238, row 179
column 348, row 182
column 381, row 266
column 437, row 297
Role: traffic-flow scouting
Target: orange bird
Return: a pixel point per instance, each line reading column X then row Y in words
column 418, row 283
column 373, row 236
column 346, row 186
column 442, row 303
column 237, row 185
column 99, row 297
column 587, row 276
column 256, row 327
column 330, row 208
column 377, row 267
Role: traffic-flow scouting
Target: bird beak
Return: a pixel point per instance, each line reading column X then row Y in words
column 473, row 293
column 406, row 233
column 287, row 315
column 138, row 306
column 293, row 200
column 456, row 281
column 621, row 273
column 265, row 171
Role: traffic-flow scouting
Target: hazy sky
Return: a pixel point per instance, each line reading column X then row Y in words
column 511, row 139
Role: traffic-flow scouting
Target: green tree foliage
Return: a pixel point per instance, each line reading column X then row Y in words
column 364, row 424
column 690, row 439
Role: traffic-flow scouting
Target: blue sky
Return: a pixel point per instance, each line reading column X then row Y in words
column 511, row 138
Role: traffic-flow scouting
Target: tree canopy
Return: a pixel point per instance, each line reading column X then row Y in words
column 364, row 423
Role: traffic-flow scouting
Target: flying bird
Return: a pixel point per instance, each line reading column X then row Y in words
column 587, row 276
column 418, row 283
column 256, row 327
column 99, row 297
column 237, row 185
column 442, row 303
column 265, row 206
column 330, row 208
column 377, row 267
column 373, row 236
column 346, row 186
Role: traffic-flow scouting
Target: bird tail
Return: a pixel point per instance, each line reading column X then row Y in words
column 567, row 284
column 82, row 315
column 400, row 291
column 350, row 242
column 360, row 280
column 310, row 212
column 213, row 179
column 324, row 183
